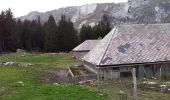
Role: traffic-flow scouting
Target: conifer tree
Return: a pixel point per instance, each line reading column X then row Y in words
column 67, row 34
column 51, row 36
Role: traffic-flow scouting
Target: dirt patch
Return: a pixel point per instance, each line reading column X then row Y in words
column 58, row 76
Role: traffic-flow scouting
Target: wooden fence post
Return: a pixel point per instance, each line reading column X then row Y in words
column 135, row 94
column 160, row 74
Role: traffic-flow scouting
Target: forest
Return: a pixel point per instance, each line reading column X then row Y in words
column 47, row 37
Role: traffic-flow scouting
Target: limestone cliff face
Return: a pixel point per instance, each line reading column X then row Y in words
column 133, row 11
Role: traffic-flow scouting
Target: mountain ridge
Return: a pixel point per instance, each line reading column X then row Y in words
column 133, row 11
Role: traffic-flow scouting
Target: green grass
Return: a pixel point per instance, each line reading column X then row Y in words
column 34, row 88
column 42, row 60
column 112, row 88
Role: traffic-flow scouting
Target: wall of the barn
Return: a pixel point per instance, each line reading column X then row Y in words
column 79, row 54
column 109, row 73
column 116, row 72
column 152, row 70
column 90, row 67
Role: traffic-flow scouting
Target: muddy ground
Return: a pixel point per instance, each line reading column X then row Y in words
column 57, row 76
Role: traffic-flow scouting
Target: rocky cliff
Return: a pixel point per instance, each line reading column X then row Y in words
column 133, row 11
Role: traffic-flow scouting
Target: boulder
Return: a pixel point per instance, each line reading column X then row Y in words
column 20, row 83
column 25, row 64
column 20, row 51
column 9, row 64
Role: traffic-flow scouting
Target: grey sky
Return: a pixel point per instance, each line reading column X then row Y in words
column 23, row 7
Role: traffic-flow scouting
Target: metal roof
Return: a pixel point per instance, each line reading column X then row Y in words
column 128, row 44
column 86, row 45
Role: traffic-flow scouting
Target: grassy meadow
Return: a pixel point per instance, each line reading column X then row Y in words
column 27, row 83
column 33, row 88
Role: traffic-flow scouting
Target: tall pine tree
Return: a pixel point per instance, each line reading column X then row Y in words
column 67, row 34
column 51, row 36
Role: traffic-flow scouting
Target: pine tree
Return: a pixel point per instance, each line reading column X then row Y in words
column 51, row 36
column 83, row 34
column 88, row 32
column 68, row 35
column 102, row 29
column 2, row 22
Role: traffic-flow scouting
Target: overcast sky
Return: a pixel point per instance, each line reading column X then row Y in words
column 23, row 7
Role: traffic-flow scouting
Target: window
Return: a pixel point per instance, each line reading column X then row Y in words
column 115, row 68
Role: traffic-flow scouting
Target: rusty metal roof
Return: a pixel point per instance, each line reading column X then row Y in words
column 128, row 44
column 86, row 45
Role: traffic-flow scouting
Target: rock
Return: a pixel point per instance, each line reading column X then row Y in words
column 52, row 53
column 25, row 64
column 154, row 78
column 163, row 86
column 16, row 64
column 150, row 83
column 21, row 51
column 20, row 83
column 22, row 55
column 152, row 87
column 56, row 84
column 167, row 82
column 121, row 92
column 9, row 64
column 1, row 64
column 2, row 89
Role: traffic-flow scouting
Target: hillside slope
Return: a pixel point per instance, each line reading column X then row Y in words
column 133, row 11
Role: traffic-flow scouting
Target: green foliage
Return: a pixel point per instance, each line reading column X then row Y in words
column 87, row 32
column 7, row 27
column 99, row 30
column 68, row 35
column 51, row 37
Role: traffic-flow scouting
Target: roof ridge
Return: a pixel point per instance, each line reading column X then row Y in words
column 107, row 46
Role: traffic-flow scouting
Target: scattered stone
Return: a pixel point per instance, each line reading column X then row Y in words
column 150, row 83
column 56, row 84
column 21, row 51
column 154, row 78
column 152, row 87
column 53, row 53
column 163, row 86
column 20, row 83
column 121, row 92
column 25, row 64
column 22, row 55
column 9, row 64
column 2, row 90
column 16, row 64
column 167, row 82
column 1, row 64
